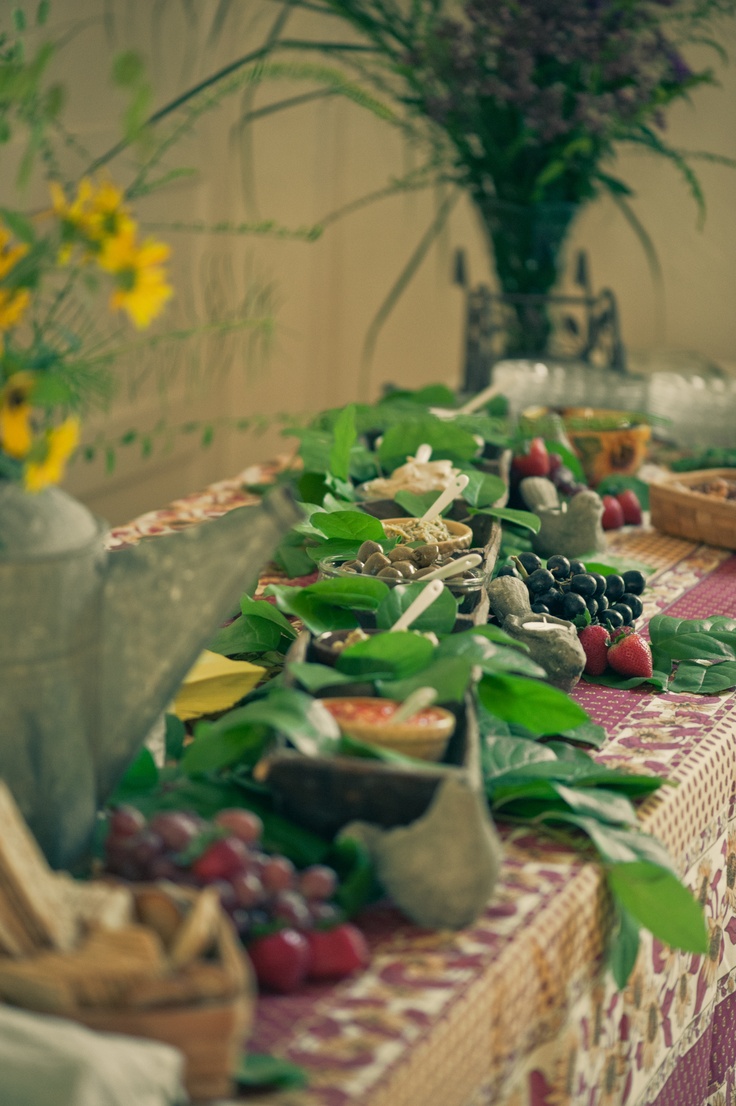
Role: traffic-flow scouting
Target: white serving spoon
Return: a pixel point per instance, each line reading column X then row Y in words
column 423, row 454
column 451, row 492
column 478, row 400
column 419, row 699
column 420, row 604
column 470, row 560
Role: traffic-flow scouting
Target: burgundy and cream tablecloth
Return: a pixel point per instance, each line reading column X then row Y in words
column 518, row 1009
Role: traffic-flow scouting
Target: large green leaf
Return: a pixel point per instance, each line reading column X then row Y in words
column 598, row 803
column 349, row 524
column 449, row 677
column 314, row 677
column 483, row 488
column 704, row 679
column 658, row 901
column 439, row 617
column 256, row 1069
column 486, row 655
column 623, row 946
column 416, row 505
column 446, row 439
column 358, row 593
column 245, row 635
column 525, row 519
column 511, row 754
column 692, row 638
column 395, row 655
column 543, row 709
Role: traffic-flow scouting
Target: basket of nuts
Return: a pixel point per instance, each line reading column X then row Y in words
column 699, row 506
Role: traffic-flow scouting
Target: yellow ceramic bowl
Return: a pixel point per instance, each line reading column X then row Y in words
column 608, row 443
column 461, row 536
column 424, row 735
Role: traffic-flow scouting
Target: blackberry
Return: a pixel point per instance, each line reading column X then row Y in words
column 530, row 562
column 572, row 606
column 584, row 584
column 539, row 581
column 634, row 602
column 611, row 618
column 635, row 581
column 559, row 566
column 625, row 611
column 577, row 567
column 615, row 588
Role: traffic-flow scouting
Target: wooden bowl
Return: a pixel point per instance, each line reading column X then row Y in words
column 424, row 736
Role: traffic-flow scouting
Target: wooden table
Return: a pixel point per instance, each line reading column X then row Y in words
column 518, row 1009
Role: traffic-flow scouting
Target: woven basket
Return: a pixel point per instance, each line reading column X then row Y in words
column 211, row 1035
column 677, row 510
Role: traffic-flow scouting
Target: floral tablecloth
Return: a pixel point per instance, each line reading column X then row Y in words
column 518, row 1009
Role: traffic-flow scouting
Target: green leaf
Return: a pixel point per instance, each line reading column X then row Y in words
column 315, row 677
column 218, row 745
column 416, row 505
column 623, row 945
column 598, row 803
column 693, row 638
column 175, row 734
column 349, row 524
column 589, row 733
column 359, row 593
column 704, row 679
column 246, row 635
column 543, row 709
column 658, row 901
column 439, row 617
column 316, row 614
column 21, row 227
column 140, row 778
column 623, row 846
column 525, row 519
column 333, row 550
column 450, row 679
column 447, row 441
column 256, row 1069
column 259, row 609
column 344, row 439
column 658, row 679
column 395, row 655
column 483, row 488
column 357, row 884
column 511, row 754
column 489, row 657
column 128, row 69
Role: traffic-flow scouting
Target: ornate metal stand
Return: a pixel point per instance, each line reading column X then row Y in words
column 582, row 327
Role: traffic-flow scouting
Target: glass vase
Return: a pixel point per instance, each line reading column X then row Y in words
column 526, row 245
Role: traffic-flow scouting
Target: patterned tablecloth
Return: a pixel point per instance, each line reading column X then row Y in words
column 518, row 1009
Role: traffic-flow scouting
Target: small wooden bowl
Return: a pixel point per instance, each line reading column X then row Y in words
column 461, row 535
column 424, row 736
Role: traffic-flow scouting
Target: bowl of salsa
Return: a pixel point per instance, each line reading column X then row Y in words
column 367, row 718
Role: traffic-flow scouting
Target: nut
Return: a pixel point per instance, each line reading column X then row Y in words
column 425, row 555
column 366, row 549
column 375, row 562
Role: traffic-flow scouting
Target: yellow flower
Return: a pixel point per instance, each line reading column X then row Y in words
column 16, row 436
column 94, row 215
column 140, row 279
column 13, row 301
column 61, row 441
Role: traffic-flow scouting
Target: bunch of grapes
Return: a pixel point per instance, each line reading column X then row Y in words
column 564, row 588
column 259, row 890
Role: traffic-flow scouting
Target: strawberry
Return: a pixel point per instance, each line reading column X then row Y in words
column 613, row 513
column 631, row 507
column 281, row 960
column 595, row 641
column 535, row 462
column 336, row 952
column 630, row 655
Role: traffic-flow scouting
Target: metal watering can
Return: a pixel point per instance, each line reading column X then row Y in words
column 94, row 645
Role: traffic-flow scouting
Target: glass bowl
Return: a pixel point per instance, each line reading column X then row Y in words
column 468, row 591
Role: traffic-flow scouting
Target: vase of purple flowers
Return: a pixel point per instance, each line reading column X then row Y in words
column 525, row 105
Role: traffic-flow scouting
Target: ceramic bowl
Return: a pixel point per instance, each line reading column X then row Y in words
column 425, row 735
column 461, row 536
column 608, row 443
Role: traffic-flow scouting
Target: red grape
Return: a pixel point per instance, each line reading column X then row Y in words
column 221, row 860
column 318, row 882
column 241, row 823
column 290, row 907
column 145, row 847
column 248, row 889
column 125, row 821
column 176, row 829
column 278, row 874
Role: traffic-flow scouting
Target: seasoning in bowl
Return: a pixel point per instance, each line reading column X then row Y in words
column 415, row 476
column 424, row 735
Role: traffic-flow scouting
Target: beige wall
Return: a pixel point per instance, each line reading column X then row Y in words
column 306, row 162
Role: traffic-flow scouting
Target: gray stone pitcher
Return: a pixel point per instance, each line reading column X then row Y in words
column 94, row 645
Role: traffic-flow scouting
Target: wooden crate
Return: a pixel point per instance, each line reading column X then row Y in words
column 678, row 510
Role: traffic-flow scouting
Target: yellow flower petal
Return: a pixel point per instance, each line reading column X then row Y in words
column 61, row 442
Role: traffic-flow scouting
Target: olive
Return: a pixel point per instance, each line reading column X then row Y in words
column 635, row 581
column 615, row 587
column 353, row 566
column 375, row 563
column 401, row 553
column 389, row 573
column 405, row 568
column 559, row 566
column 540, row 580
column 425, row 555
column 584, row 584
column 366, row 549
column 634, row 602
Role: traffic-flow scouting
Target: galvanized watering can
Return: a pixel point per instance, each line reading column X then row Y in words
column 93, row 645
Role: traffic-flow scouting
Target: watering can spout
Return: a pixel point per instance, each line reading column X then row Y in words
column 163, row 601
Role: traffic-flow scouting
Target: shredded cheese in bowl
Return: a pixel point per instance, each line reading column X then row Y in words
column 414, row 476
column 417, row 529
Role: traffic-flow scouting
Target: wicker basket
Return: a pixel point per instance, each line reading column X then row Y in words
column 677, row 510
column 211, row 1035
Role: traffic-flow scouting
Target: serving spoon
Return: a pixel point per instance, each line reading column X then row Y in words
column 452, row 568
column 425, row 598
column 420, row 698
column 451, row 492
